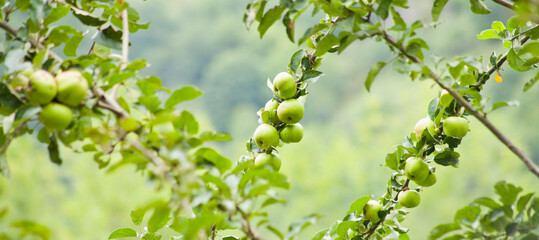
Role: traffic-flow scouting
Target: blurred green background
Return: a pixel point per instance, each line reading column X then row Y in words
column 348, row 131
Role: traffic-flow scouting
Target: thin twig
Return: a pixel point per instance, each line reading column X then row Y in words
column 36, row 44
column 247, row 229
column 504, row 3
column 520, row 154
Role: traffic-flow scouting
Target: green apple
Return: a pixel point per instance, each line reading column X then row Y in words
column 271, row 107
column 371, row 209
column 271, row 159
column 72, row 87
column 291, row 133
column 415, row 169
column 455, row 127
column 41, row 88
column 428, row 181
column 265, row 136
column 21, row 79
column 408, row 198
column 56, row 116
column 445, row 98
column 421, row 125
column 284, row 85
column 290, row 111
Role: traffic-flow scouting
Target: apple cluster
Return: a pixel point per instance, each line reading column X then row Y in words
column 284, row 113
column 55, row 94
column 416, row 169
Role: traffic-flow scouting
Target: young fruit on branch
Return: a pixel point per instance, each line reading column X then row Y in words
column 292, row 133
column 415, row 169
column 290, row 111
column 422, row 124
column 265, row 136
column 56, row 116
column 455, row 127
column 408, row 198
column 429, row 180
column 445, row 98
column 271, row 159
column 371, row 209
column 271, row 107
column 72, row 87
column 21, row 80
column 41, row 88
column 284, row 85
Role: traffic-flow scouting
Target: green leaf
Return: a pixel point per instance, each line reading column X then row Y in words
column 447, row 158
column 442, row 229
column 109, row 37
column 488, row 34
column 358, row 205
column 399, row 25
column 187, row 122
column 270, row 17
column 437, row 8
column 29, row 227
column 209, row 154
column 531, row 48
column 530, row 83
column 54, row 152
column 372, row 74
column 137, row 215
column 392, row 161
column 523, row 201
column 123, row 232
column 289, row 24
column 183, row 94
column 313, row 30
column 56, row 14
column 87, row 18
column 311, row 76
column 467, row 215
column 298, row 225
column 151, row 103
column 159, row 218
column 516, row 62
column 321, row 234
column 497, row 26
column 487, row 202
column 72, row 45
column 22, row 5
column 497, row 105
column 383, row 8
column 508, row 192
column 296, row 60
column 478, row 7
column 275, row 231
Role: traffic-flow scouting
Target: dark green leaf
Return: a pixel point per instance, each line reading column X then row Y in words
column 220, row 162
column 467, row 215
column 313, row 30
column 183, row 94
column 523, row 201
column 56, row 14
column 372, row 74
column 437, row 8
column 54, row 152
column 442, row 229
column 383, row 8
column 478, row 7
column 487, row 202
column 296, row 60
column 270, row 17
column 289, row 24
column 275, row 231
column 508, row 192
column 447, row 158
column 109, row 37
column 123, row 232
column 311, row 76
column 87, row 18
column 159, row 218
column 358, row 205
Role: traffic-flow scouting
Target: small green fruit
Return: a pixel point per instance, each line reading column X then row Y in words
column 409, row 198
column 41, row 88
column 290, row 111
column 56, row 116
column 429, row 180
column 265, row 159
column 21, row 79
column 72, row 87
column 292, row 133
column 271, row 107
column 421, row 125
column 445, row 98
column 284, row 85
column 265, row 136
column 415, row 169
column 371, row 209
column 455, row 127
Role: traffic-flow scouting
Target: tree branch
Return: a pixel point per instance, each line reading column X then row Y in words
column 504, row 3
column 520, row 154
column 36, row 44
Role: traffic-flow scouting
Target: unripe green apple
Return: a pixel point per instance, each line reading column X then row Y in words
column 284, row 85
column 41, row 88
column 72, row 87
column 422, row 124
column 415, row 169
column 445, row 98
column 290, row 111
column 271, row 159
column 265, row 136
column 271, row 107
column 292, row 133
column 428, row 181
column 455, row 127
column 409, row 198
column 56, row 116
column 371, row 209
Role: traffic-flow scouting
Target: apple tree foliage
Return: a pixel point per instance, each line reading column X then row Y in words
column 127, row 119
